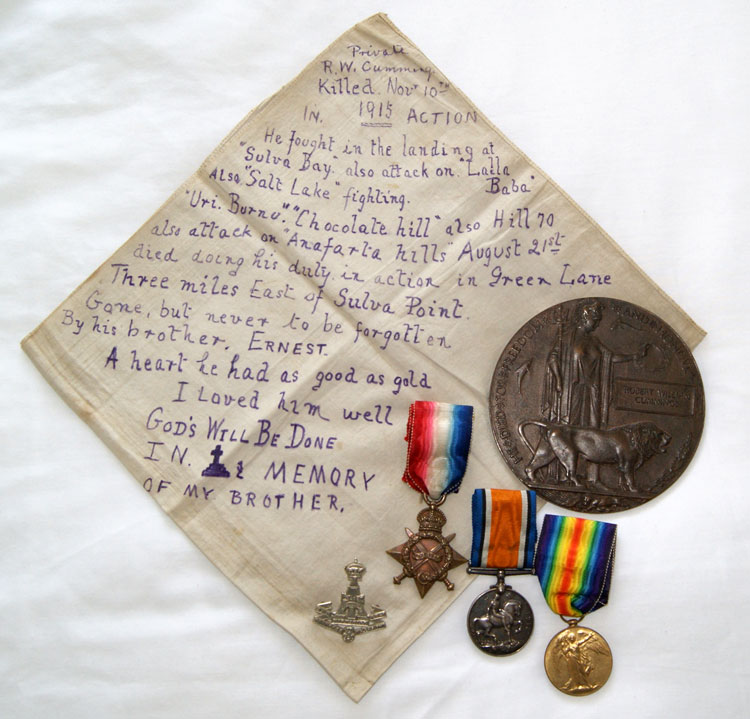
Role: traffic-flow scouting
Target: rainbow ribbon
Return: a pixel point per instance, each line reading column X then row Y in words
column 504, row 528
column 574, row 559
column 439, row 435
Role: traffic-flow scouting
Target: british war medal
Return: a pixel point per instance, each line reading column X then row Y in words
column 574, row 560
column 438, row 436
column 500, row 621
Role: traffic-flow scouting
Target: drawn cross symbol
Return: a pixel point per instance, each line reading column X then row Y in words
column 216, row 454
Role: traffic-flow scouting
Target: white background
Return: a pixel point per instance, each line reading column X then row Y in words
column 639, row 110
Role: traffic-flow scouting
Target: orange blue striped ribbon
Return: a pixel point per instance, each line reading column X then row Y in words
column 439, row 435
column 503, row 528
column 574, row 559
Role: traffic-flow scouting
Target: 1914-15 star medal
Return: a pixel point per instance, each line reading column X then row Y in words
column 427, row 556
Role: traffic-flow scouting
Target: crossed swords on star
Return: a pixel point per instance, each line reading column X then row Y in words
column 429, row 554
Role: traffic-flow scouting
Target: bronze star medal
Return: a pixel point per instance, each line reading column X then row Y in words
column 438, row 436
column 427, row 555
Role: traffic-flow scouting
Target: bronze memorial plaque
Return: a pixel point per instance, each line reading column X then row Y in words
column 597, row 404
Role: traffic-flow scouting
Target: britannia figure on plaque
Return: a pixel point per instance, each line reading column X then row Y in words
column 576, row 393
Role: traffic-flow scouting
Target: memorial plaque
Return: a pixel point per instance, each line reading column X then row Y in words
column 597, row 405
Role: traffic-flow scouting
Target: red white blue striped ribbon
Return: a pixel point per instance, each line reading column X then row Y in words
column 439, row 435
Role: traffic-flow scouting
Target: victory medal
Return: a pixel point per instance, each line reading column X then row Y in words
column 438, row 435
column 573, row 562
